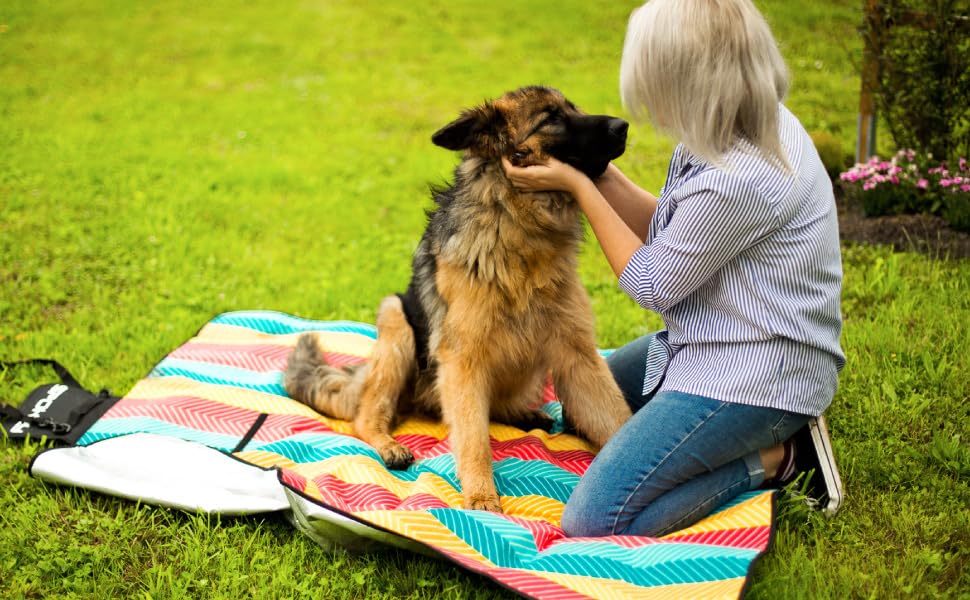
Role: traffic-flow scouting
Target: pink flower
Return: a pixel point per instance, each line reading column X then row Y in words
column 963, row 164
column 965, row 187
column 945, row 183
column 922, row 184
column 894, row 179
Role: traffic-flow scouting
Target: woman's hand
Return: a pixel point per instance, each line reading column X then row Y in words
column 554, row 175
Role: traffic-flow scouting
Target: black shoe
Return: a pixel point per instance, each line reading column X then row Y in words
column 814, row 457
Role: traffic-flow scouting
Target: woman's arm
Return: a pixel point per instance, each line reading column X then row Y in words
column 617, row 239
column 633, row 204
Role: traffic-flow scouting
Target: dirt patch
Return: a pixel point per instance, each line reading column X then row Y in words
column 926, row 234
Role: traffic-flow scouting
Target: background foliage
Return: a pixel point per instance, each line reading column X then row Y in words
column 924, row 74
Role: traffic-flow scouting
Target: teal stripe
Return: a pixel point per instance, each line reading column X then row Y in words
column 267, row 321
column 109, row 428
column 651, row 565
column 501, row 541
column 554, row 410
column 741, row 498
column 314, row 447
column 443, row 466
column 269, row 382
column 517, row 477
column 268, row 388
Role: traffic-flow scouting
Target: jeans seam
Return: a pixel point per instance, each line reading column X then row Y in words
column 659, row 464
column 777, row 426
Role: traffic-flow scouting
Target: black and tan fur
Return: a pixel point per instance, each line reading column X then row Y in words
column 494, row 303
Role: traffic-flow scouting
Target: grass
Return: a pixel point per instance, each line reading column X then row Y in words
column 164, row 162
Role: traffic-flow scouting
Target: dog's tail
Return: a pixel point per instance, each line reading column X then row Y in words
column 329, row 390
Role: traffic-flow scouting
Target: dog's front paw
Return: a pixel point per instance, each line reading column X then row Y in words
column 396, row 456
column 489, row 502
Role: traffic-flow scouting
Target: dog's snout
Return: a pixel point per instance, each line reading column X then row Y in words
column 618, row 128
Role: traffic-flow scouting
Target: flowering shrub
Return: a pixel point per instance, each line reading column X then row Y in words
column 911, row 183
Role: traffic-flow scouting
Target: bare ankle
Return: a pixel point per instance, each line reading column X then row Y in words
column 771, row 459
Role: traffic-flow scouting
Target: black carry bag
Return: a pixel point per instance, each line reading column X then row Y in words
column 60, row 412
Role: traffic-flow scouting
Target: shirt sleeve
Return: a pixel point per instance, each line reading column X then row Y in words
column 713, row 223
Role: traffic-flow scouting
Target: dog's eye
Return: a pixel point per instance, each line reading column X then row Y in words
column 520, row 154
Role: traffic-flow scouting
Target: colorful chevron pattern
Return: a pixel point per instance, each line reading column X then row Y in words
column 212, row 389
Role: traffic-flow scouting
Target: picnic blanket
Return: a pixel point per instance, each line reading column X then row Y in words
column 220, row 395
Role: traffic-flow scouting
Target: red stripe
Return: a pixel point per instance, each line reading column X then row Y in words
column 188, row 411
column 544, row 533
column 527, row 447
column 335, row 359
column 532, row 585
column 278, row 427
column 420, row 445
column 421, row 501
column 293, row 479
column 354, row 497
column 752, row 538
column 254, row 357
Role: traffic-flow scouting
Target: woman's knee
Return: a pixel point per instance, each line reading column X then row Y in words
column 580, row 519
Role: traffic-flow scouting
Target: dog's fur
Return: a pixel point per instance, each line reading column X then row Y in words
column 494, row 303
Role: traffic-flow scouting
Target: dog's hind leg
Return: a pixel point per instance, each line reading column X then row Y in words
column 329, row 390
column 391, row 367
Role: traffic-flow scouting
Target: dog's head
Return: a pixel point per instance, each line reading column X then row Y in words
column 531, row 124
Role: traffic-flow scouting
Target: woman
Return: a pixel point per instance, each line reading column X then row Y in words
column 739, row 255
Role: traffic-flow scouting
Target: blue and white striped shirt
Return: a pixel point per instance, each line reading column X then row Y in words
column 743, row 264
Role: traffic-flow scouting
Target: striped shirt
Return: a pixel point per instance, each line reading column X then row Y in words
column 743, row 264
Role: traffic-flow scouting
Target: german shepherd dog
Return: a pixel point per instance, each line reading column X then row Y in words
column 494, row 303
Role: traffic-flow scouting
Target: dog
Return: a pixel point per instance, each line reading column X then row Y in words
column 494, row 303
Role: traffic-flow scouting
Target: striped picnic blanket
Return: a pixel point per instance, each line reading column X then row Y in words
column 223, row 388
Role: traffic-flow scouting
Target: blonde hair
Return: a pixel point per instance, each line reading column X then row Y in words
column 707, row 72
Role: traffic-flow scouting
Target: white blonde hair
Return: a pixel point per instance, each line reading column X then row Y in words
column 708, row 72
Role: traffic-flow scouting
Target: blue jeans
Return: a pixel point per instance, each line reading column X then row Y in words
column 677, row 459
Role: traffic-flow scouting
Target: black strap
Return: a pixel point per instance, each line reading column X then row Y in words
column 60, row 369
column 252, row 431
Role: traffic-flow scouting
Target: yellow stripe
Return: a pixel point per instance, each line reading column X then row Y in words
column 596, row 587
column 418, row 425
column 154, row 388
column 533, row 508
column 419, row 525
column 265, row 459
column 754, row 512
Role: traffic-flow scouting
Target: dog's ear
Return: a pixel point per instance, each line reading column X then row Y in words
column 470, row 129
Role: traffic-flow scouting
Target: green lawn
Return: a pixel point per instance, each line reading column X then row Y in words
column 164, row 162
